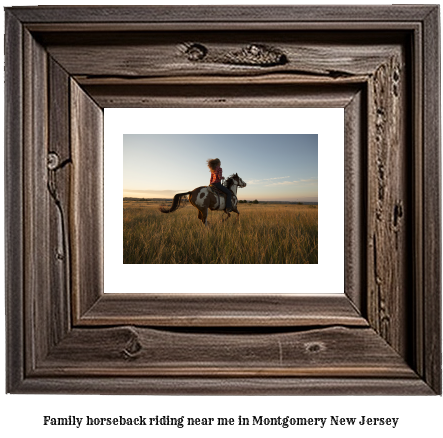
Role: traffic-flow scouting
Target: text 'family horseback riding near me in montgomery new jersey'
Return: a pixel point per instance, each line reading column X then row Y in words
column 251, row 421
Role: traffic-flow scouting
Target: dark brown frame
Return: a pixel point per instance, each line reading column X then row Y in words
column 64, row 65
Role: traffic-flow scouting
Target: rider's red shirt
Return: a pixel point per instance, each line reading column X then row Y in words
column 216, row 175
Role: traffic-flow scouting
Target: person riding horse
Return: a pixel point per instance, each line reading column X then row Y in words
column 204, row 198
column 216, row 179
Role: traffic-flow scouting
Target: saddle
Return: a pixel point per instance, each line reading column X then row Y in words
column 215, row 190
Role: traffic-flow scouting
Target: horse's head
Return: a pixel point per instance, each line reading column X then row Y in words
column 235, row 179
column 240, row 182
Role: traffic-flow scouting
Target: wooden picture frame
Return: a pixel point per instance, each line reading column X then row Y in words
column 379, row 63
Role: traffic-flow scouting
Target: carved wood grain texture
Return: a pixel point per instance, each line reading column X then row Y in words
column 14, row 202
column 259, row 14
column 47, row 304
column 431, row 317
column 129, row 350
column 59, row 179
column 242, row 310
column 388, row 204
column 38, row 306
column 167, row 55
column 355, row 195
column 288, row 386
column 418, row 204
column 86, row 208
column 226, row 96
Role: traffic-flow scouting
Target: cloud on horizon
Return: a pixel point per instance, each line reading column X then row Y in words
column 310, row 180
column 260, row 181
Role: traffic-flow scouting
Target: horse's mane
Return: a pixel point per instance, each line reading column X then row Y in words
column 230, row 180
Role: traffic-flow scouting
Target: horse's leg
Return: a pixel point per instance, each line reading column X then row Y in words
column 205, row 217
column 238, row 213
column 229, row 215
column 199, row 199
column 202, row 216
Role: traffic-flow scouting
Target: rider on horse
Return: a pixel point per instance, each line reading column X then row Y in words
column 216, row 178
column 205, row 198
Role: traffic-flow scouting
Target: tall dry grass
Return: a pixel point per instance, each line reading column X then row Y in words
column 266, row 233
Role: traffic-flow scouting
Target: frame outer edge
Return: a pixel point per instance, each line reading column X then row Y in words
column 228, row 386
column 14, row 239
column 432, row 202
column 220, row 13
column 14, row 250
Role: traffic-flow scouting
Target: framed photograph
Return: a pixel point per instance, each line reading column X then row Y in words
column 378, row 331
column 279, row 227
column 272, row 242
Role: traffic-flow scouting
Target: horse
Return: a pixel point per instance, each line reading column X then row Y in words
column 206, row 197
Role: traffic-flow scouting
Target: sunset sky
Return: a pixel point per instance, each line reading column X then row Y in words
column 275, row 167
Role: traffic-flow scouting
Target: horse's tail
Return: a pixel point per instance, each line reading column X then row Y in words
column 175, row 203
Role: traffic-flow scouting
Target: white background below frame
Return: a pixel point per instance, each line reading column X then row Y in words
column 325, row 277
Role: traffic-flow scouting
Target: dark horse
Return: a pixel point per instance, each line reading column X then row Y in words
column 206, row 197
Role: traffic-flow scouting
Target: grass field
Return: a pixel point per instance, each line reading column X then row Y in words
column 266, row 233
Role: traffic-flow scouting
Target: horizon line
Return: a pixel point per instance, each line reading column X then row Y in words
column 263, row 200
